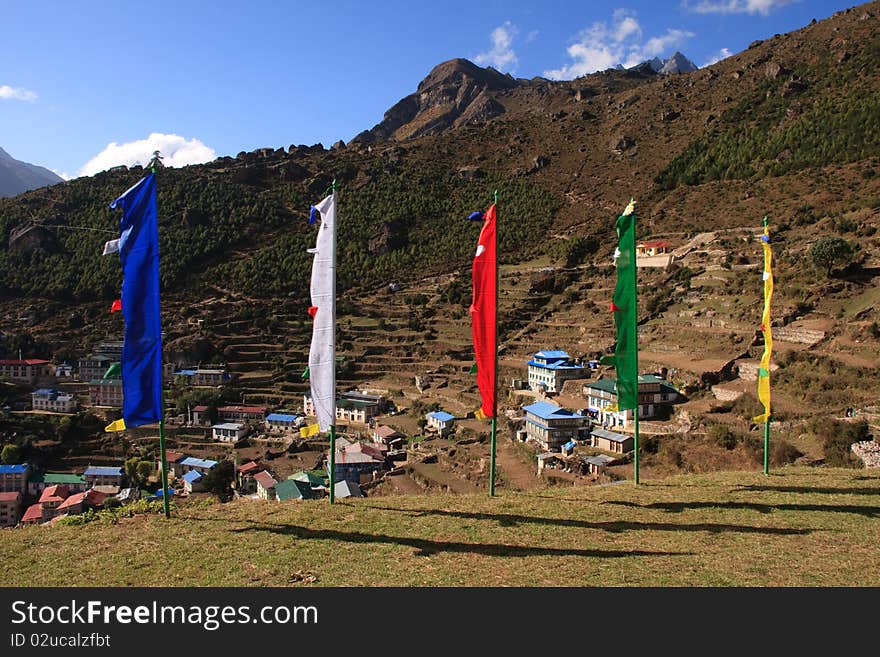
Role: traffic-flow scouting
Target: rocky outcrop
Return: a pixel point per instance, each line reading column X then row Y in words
column 456, row 92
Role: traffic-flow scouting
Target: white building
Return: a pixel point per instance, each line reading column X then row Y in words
column 441, row 421
column 229, row 432
column 49, row 399
column 548, row 370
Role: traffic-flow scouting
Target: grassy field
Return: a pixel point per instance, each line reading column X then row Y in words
column 795, row 527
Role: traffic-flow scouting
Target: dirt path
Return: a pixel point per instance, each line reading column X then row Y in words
column 517, row 474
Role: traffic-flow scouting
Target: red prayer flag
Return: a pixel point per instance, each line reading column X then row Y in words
column 313, row 310
column 614, row 307
column 483, row 312
column 117, row 305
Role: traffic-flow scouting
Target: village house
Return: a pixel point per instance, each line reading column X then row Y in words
column 204, row 376
column 111, row 348
column 56, row 401
column 106, row 392
column 548, row 460
column 440, row 421
column 656, row 397
column 244, row 477
column 79, row 502
column 241, row 413
column 552, row 426
column 128, row 495
column 93, row 367
column 598, row 462
column 265, row 485
column 14, row 478
column 611, row 441
column 346, row 488
column 191, row 463
column 51, row 498
column 354, row 465
column 10, row 508
column 103, row 476
column 293, row 489
column 29, row 370
column 33, row 515
column 63, row 371
column 548, row 370
column 659, row 247
column 315, row 479
column 354, row 406
column 387, row 436
column 173, row 459
column 38, row 481
column 282, row 421
column 193, row 481
column 229, row 432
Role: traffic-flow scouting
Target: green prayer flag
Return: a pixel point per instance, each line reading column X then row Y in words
column 473, row 369
column 626, row 351
column 305, row 374
column 115, row 370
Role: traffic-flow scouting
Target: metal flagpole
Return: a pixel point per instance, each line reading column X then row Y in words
column 165, row 495
column 636, row 340
column 495, row 370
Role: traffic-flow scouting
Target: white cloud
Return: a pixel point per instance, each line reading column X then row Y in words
column 16, row 93
column 531, row 36
column 176, row 151
column 61, row 174
column 763, row 7
column 602, row 46
column 501, row 56
column 724, row 53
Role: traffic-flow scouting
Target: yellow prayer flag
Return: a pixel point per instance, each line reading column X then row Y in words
column 311, row 430
column 118, row 425
column 479, row 414
column 764, row 367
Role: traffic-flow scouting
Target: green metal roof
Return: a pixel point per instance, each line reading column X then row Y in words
column 291, row 489
column 52, row 478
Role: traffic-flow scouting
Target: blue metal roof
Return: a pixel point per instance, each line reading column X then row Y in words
column 100, row 471
column 185, row 372
column 45, row 391
column 198, row 463
column 281, row 417
column 13, row 469
column 547, row 411
column 556, row 365
column 193, row 476
column 552, row 354
column 443, row 416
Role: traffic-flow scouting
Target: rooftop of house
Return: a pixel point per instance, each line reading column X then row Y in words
column 556, row 365
column 57, row 493
column 110, row 381
column 13, row 469
column 293, row 489
column 610, row 385
column 354, row 457
column 102, row 471
column 265, row 479
column 652, row 245
column 174, row 457
column 243, row 409
column 251, row 466
column 347, row 488
column 548, row 411
column 26, row 361
column 33, row 512
column 192, row 461
column 599, row 459
column 72, row 501
column 610, row 435
column 193, row 476
column 231, row 426
column 14, row 496
column 281, row 417
column 552, row 354
column 313, row 478
column 384, row 431
column 443, row 416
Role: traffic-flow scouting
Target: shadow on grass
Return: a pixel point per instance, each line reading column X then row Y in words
column 678, row 507
column 508, row 520
column 809, row 489
column 427, row 547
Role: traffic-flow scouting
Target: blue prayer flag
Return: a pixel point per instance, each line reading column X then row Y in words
column 313, row 214
column 142, row 340
column 475, row 216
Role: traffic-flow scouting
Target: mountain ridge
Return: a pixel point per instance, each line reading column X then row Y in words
column 17, row 176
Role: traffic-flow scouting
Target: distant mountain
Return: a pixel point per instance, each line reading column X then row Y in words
column 678, row 63
column 17, row 176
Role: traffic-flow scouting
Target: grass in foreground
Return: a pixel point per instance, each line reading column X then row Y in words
column 795, row 527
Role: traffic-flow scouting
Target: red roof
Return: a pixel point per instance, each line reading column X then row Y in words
column 10, row 497
column 174, row 457
column 253, row 466
column 72, row 501
column 652, row 245
column 242, row 409
column 56, row 493
column 265, row 480
column 34, row 512
column 26, row 361
column 386, row 432
column 200, row 409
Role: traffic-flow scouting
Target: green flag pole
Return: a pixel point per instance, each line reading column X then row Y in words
column 333, row 366
column 162, row 456
column 635, row 334
column 493, row 442
column 767, row 446
column 332, row 460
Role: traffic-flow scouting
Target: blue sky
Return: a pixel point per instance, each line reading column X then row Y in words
column 85, row 85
